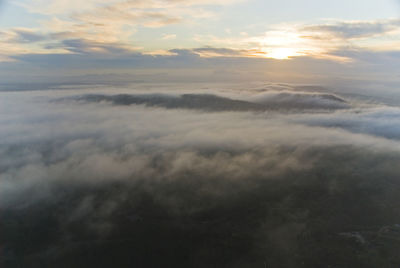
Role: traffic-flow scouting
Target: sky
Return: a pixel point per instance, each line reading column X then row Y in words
column 222, row 40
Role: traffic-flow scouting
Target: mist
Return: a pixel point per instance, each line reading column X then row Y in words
column 273, row 176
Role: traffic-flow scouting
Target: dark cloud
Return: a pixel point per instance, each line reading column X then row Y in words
column 208, row 102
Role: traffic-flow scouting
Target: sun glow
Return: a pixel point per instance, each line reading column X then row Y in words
column 284, row 44
column 282, row 53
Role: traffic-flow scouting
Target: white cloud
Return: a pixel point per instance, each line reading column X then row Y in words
column 168, row 36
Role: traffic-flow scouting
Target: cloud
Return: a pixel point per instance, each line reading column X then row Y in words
column 82, row 46
column 289, row 40
column 61, row 7
column 256, row 187
column 107, row 30
column 115, row 23
column 168, row 36
column 107, row 63
column 101, row 23
column 209, row 102
column 380, row 122
column 208, row 52
column 353, row 30
column 27, row 36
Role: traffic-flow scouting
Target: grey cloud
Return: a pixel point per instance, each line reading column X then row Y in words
column 227, row 52
column 352, row 30
column 83, row 46
column 186, row 65
column 24, row 36
column 262, row 102
column 372, row 58
column 381, row 122
column 305, row 100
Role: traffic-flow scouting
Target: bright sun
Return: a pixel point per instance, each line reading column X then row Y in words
column 282, row 53
column 282, row 44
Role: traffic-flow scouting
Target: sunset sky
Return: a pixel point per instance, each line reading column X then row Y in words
column 44, row 39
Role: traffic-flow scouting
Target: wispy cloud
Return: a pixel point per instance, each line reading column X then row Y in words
column 108, row 30
column 314, row 40
column 168, row 36
column 97, row 25
column 353, row 29
column 61, row 7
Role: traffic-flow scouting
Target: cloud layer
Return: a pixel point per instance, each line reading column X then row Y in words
column 208, row 102
column 81, row 178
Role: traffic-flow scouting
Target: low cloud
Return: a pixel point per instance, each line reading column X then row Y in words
column 255, row 186
column 284, row 100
